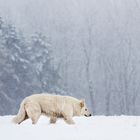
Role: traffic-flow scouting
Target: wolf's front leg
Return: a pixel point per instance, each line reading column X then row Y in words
column 53, row 118
column 69, row 120
column 68, row 114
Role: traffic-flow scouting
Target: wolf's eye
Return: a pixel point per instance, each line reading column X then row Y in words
column 85, row 109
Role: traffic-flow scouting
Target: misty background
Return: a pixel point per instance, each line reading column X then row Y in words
column 89, row 49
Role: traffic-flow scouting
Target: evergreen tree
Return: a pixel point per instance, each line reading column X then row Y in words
column 42, row 63
column 26, row 67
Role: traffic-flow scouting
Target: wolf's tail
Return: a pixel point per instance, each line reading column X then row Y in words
column 21, row 114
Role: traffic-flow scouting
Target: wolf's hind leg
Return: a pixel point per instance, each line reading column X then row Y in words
column 33, row 112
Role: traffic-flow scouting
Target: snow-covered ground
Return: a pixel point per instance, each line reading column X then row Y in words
column 91, row 128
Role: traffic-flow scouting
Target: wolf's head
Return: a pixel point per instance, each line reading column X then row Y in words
column 84, row 109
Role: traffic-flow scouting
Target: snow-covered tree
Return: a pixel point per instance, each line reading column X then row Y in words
column 40, row 56
column 26, row 66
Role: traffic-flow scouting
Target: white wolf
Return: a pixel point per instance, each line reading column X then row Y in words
column 54, row 106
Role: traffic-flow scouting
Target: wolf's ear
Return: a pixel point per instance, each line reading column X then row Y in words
column 82, row 102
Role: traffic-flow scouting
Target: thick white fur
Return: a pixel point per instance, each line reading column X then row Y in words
column 51, row 105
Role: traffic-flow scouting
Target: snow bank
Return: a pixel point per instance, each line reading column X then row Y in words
column 92, row 128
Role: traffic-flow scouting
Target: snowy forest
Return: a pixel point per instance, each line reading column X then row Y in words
column 89, row 49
